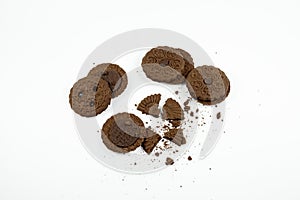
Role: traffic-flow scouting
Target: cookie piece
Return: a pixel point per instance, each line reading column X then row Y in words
column 150, row 141
column 175, row 136
column 90, row 96
column 123, row 132
column 208, row 84
column 163, row 65
column 172, row 110
column 149, row 105
column 114, row 75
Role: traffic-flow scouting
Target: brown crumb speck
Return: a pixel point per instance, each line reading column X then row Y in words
column 218, row 115
column 190, row 158
column 169, row 161
column 192, row 114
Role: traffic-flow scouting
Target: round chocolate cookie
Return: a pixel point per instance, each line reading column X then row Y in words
column 90, row 96
column 123, row 132
column 208, row 84
column 113, row 74
column 163, row 64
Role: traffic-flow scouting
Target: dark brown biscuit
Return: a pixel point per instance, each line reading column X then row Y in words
column 123, row 132
column 149, row 105
column 113, row 74
column 90, row 96
column 208, row 84
column 150, row 141
column 176, row 136
column 172, row 110
column 163, row 64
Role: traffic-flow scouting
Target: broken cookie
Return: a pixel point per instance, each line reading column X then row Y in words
column 149, row 105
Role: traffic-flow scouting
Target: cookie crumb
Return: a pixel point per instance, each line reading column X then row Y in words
column 176, row 92
column 190, row 158
column 156, row 154
column 169, row 161
column 218, row 115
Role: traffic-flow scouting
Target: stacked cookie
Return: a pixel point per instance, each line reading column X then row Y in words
column 207, row 84
column 92, row 94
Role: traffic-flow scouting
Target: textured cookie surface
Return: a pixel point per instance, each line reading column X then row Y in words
column 208, row 84
column 90, row 96
column 114, row 75
column 123, row 132
column 149, row 105
column 189, row 62
column 163, row 64
column 172, row 110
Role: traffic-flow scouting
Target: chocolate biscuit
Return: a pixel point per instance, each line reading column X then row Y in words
column 208, row 84
column 163, row 64
column 113, row 74
column 90, row 96
column 123, row 132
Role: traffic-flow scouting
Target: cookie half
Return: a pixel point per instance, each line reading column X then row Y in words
column 114, row 75
column 123, row 132
column 208, row 84
column 90, row 96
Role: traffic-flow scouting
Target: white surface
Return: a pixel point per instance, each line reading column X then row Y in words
column 43, row 45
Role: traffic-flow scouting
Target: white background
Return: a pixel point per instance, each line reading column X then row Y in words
column 42, row 47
